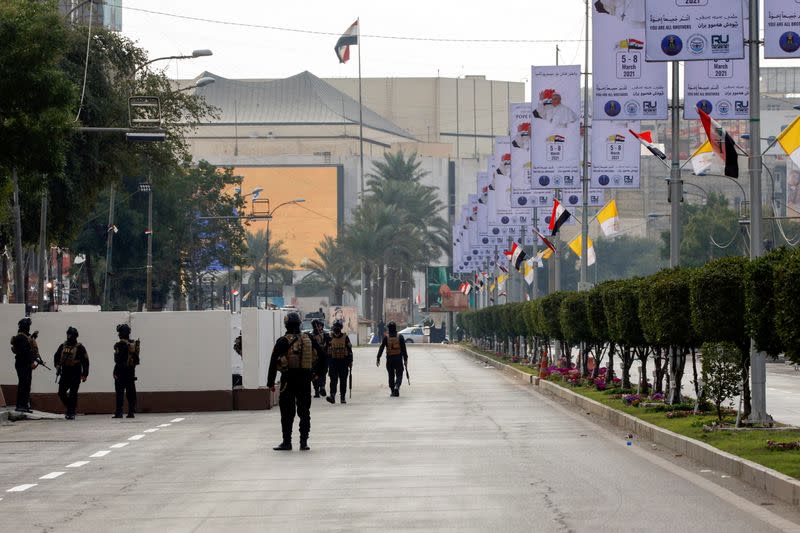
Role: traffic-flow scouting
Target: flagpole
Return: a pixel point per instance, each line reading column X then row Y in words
column 675, row 184
column 360, row 112
column 758, row 365
column 584, row 284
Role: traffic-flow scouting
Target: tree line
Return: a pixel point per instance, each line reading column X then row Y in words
column 661, row 319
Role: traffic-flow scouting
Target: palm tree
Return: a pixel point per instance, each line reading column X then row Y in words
column 333, row 269
column 255, row 258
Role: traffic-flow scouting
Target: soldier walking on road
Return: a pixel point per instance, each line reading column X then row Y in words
column 26, row 353
column 396, row 357
column 72, row 365
column 341, row 362
column 323, row 339
column 126, row 358
column 300, row 360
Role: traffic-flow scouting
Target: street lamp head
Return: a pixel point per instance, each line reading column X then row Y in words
column 298, row 200
column 657, row 215
column 797, row 107
column 202, row 82
column 257, row 191
column 202, row 52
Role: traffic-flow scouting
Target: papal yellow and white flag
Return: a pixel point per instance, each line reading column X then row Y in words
column 789, row 139
column 528, row 269
column 608, row 217
column 575, row 246
column 702, row 159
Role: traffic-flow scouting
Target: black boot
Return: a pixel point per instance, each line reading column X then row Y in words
column 304, row 444
column 316, row 394
column 322, row 392
column 330, row 399
column 343, row 400
column 285, row 446
column 396, row 392
column 130, row 415
column 117, row 415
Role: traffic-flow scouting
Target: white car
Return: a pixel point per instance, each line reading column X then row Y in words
column 412, row 334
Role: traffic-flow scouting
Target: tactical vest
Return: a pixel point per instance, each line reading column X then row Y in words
column 133, row 353
column 300, row 354
column 320, row 338
column 338, row 349
column 69, row 355
column 393, row 346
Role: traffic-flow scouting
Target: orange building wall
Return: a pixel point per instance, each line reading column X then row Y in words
column 301, row 226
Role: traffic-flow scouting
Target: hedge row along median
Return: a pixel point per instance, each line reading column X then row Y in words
column 664, row 319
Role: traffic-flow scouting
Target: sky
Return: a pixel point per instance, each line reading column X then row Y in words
column 241, row 52
column 246, row 52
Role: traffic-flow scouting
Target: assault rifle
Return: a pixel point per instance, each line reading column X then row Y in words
column 408, row 378
column 38, row 359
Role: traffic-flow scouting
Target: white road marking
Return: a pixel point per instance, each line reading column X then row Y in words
column 22, row 488
column 177, row 420
column 78, row 464
column 101, row 453
column 136, row 437
column 52, row 475
column 705, row 471
column 164, row 425
column 151, row 430
column 119, row 445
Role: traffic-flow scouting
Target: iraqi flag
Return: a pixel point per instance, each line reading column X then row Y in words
column 646, row 138
column 348, row 39
column 546, row 241
column 721, row 143
column 516, row 255
column 558, row 217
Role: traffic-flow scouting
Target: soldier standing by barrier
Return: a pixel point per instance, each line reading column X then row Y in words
column 341, row 355
column 26, row 352
column 300, row 360
column 126, row 358
column 72, row 365
column 323, row 339
column 396, row 357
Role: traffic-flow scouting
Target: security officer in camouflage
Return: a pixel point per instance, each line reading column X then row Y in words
column 26, row 352
column 126, row 359
column 300, row 360
column 340, row 352
column 396, row 357
column 72, row 365
column 323, row 339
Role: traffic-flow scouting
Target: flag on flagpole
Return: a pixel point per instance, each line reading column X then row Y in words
column 558, row 217
column 608, row 217
column 702, row 159
column 516, row 256
column 789, row 139
column 722, row 144
column 546, row 242
column 349, row 38
column 575, row 246
column 528, row 271
column 646, row 138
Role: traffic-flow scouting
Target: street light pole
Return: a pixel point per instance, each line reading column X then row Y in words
column 675, row 183
column 109, row 248
column 21, row 291
column 758, row 361
column 148, row 188
column 268, row 217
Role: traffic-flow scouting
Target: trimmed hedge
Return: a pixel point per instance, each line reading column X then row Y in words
column 726, row 300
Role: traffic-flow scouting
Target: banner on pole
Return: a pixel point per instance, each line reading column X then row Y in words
column 691, row 30
column 720, row 87
column 502, row 178
column 520, row 117
column 616, row 155
column 556, row 135
column 781, row 29
column 574, row 198
column 539, row 198
column 626, row 87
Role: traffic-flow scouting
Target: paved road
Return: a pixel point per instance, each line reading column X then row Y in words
column 464, row 449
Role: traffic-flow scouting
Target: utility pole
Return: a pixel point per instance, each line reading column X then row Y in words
column 20, row 290
column 758, row 362
column 584, row 282
column 109, row 247
column 675, row 182
column 42, row 250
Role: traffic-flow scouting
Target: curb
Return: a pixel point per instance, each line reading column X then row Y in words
column 781, row 486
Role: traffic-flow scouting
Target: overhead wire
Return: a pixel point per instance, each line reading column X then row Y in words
column 338, row 34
